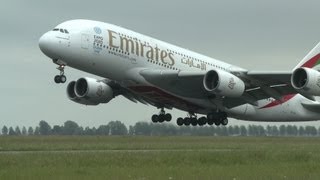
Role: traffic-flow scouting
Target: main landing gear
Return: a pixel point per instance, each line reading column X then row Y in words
column 161, row 117
column 60, row 78
column 218, row 118
column 215, row 118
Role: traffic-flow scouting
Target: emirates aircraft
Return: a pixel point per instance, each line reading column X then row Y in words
column 150, row 71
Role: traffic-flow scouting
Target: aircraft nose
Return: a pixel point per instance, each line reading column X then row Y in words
column 46, row 45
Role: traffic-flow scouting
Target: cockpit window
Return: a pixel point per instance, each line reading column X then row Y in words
column 61, row 30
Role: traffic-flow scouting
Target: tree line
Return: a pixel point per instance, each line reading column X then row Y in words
column 151, row 129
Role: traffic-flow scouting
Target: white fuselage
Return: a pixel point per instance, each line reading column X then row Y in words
column 116, row 53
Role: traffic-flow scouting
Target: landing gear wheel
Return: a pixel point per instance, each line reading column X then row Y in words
column 179, row 121
column 57, row 79
column 194, row 121
column 187, row 121
column 168, row 117
column 202, row 121
column 210, row 122
column 63, row 78
column 161, row 118
column 155, row 118
column 224, row 122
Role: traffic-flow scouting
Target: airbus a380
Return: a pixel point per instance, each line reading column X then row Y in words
column 150, row 71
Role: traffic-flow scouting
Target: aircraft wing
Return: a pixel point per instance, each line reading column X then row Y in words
column 259, row 85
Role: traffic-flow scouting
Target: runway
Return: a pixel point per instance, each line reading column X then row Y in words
column 117, row 150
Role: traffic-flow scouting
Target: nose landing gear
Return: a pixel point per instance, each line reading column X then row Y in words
column 60, row 78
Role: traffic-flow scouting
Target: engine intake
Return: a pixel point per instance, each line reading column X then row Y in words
column 306, row 80
column 89, row 91
column 223, row 83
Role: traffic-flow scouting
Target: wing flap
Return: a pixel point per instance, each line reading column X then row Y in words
column 187, row 84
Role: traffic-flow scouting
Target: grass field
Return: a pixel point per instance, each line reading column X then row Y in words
column 159, row 158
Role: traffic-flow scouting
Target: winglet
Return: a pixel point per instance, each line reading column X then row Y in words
column 312, row 59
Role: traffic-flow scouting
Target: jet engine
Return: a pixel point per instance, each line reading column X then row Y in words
column 89, row 91
column 223, row 83
column 306, row 80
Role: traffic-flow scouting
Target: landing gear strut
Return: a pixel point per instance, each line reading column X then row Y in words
column 60, row 78
column 161, row 117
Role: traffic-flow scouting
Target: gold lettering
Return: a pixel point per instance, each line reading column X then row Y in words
column 150, row 53
column 137, row 47
column 142, row 49
column 163, row 55
column 111, row 37
column 171, row 58
column 125, row 44
column 157, row 53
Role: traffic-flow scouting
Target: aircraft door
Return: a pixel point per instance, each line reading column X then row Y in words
column 85, row 40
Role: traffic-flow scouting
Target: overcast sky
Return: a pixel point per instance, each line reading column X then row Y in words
column 254, row 34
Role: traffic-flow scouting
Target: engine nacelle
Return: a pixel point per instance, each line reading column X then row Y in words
column 306, row 80
column 223, row 83
column 89, row 91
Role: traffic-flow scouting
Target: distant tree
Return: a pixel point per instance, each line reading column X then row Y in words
column 230, row 130
column 251, row 130
column 70, row 127
column 243, row 130
column 131, row 130
column 117, row 128
column 236, row 130
column 295, row 131
column 11, row 132
column 24, row 131
column 17, row 131
column 223, row 131
column 5, row 130
column 103, row 130
column 261, row 131
column 269, row 130
column 142, row 128
column 165, row 129
column 282, row 130
column 57, row 130
column 44, row 128
column 36, row 131
column 89, row 131
column 301, row 131
column 275, row 131
column 311, row 131
column 79, row 131
column 30, row 131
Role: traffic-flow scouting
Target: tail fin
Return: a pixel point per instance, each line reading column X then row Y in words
column 312, row 59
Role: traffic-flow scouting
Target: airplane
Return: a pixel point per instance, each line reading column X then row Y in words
column 146, row 70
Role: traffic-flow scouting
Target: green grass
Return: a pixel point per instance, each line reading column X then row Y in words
column 61, row 157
